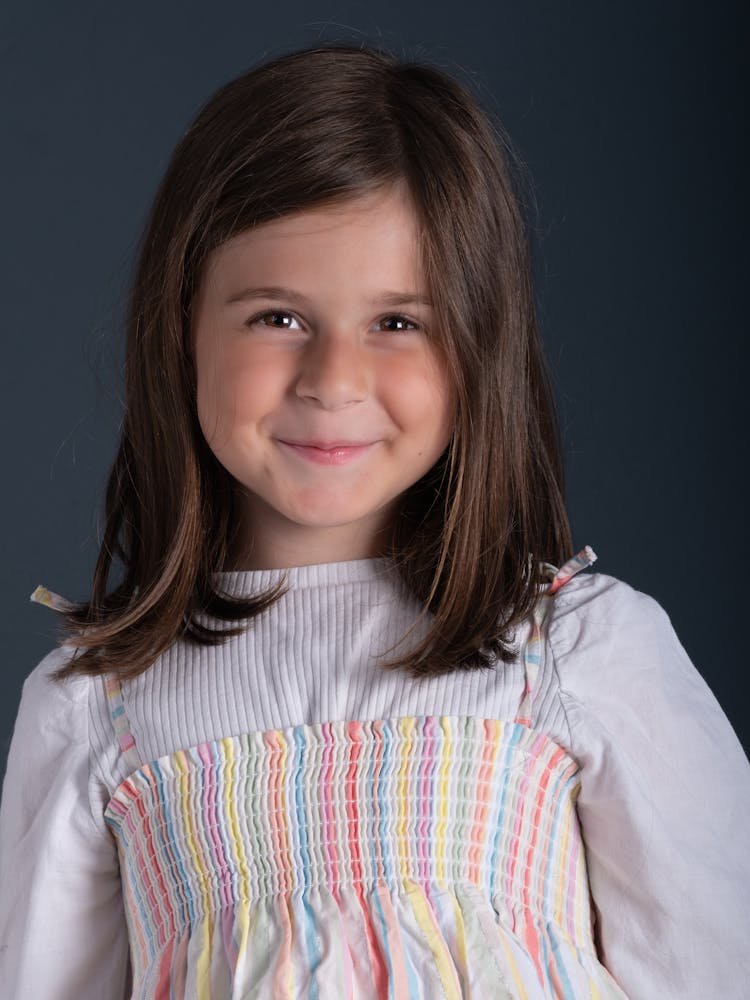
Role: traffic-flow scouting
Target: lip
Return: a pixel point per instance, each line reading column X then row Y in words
column 328, row 452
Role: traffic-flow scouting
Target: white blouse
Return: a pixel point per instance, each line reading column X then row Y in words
column 663, row 804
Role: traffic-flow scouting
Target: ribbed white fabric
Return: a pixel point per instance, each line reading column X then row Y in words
column 312, row 657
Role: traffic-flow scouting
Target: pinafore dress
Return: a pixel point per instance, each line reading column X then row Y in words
column 419, row 857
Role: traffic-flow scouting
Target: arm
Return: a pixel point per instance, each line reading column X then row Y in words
column 664, row 803
column 62, row 928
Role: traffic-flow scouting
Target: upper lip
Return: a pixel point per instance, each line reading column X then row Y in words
column 326, row 445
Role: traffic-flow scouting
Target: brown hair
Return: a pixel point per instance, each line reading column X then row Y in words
column 315, row 126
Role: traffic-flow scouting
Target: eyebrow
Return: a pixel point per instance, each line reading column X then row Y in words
column 277, row 292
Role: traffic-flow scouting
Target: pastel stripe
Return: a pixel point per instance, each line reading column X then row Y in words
column 252, row 838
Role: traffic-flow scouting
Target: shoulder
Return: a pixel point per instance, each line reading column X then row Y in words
column 596, row 608
column 42, row 683
column 614, row 648
column 601, row 625
column 50, row 705
column 622, row 670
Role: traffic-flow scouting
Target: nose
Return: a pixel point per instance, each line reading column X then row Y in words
column 333, row 371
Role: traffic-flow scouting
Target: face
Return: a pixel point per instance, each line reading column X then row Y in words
column 320, row 386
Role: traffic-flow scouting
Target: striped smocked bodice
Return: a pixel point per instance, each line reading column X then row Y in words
column 433, row 856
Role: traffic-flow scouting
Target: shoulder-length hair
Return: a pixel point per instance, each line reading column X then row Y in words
column 307, row 128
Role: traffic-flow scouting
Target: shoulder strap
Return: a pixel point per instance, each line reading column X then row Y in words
column 120, row 721
column 533, row 653
column 112, row 685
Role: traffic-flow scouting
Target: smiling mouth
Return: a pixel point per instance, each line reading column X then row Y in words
column 337, row 453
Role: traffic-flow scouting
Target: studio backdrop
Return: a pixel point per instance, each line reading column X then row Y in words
column 628, row 119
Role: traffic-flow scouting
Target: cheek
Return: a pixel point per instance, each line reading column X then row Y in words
column 208, row 395
column 216, row 394
column 422, row 393
column 235, row 390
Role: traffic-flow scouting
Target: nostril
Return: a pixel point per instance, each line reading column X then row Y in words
column 333, row 375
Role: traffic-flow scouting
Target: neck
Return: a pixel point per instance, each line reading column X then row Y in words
column 284, row 545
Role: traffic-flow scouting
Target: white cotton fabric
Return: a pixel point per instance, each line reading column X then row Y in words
column 664, row 804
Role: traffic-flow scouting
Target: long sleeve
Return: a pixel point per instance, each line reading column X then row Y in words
column 62, row 927
column 664, row 803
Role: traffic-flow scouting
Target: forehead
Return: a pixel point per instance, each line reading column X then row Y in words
column 371, row 235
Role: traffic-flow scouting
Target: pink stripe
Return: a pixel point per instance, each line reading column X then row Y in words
column 423, row 830
column 164, row 983
column 481, row 809
column 230, row 946
column 393, row 946
column 550, row 816
column 521, row 803
column 210, row 811
column 282, row 981
column 276, row 787
column 531, row 935
column 377, row 767
column 148, row 863
column 328, row 834
column 377, row 964
column 350, row 800
column 128, row 789
column 126, row 741
column 179, row 967
column 200, row 848
column 162, row 825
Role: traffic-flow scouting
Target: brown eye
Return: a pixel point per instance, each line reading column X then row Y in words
column 277, row 319
column 398, row 324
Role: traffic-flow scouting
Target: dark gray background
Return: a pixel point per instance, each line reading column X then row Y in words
column 629, row 118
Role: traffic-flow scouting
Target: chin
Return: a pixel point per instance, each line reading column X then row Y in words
column 324, row 519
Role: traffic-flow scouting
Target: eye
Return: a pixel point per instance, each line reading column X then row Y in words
column 398, row 323
column 275, row 319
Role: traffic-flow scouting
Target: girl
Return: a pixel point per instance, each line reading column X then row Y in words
column 331, row 723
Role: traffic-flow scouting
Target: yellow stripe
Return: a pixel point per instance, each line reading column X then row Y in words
column 581, row 897
column 442, row 824
column 485, row 828
column 194, row 851
column 443, row 962
column 231, row 797
column 562, row 853
column 460, row 932
column 517, row 980
column 203, row 965
column 406, row 729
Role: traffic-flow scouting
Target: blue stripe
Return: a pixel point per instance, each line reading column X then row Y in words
column 311, row 941
column 168, row 843
column 383, row 805
column 412, row 978
column 568, row 991
column 517, row 731
column 374, row 873
column 552, row 879
column 218, row 766
column 386, row 949
column 131, row 860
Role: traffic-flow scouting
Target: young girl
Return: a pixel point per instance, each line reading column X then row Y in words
column 331, row 724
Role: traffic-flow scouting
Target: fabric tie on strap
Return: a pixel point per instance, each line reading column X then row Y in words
column 533, row 655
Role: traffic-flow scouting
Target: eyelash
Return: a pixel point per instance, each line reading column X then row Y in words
column 280, row 312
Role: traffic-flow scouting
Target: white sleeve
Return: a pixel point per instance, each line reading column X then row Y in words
column 664, row 803
column 62, row 928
